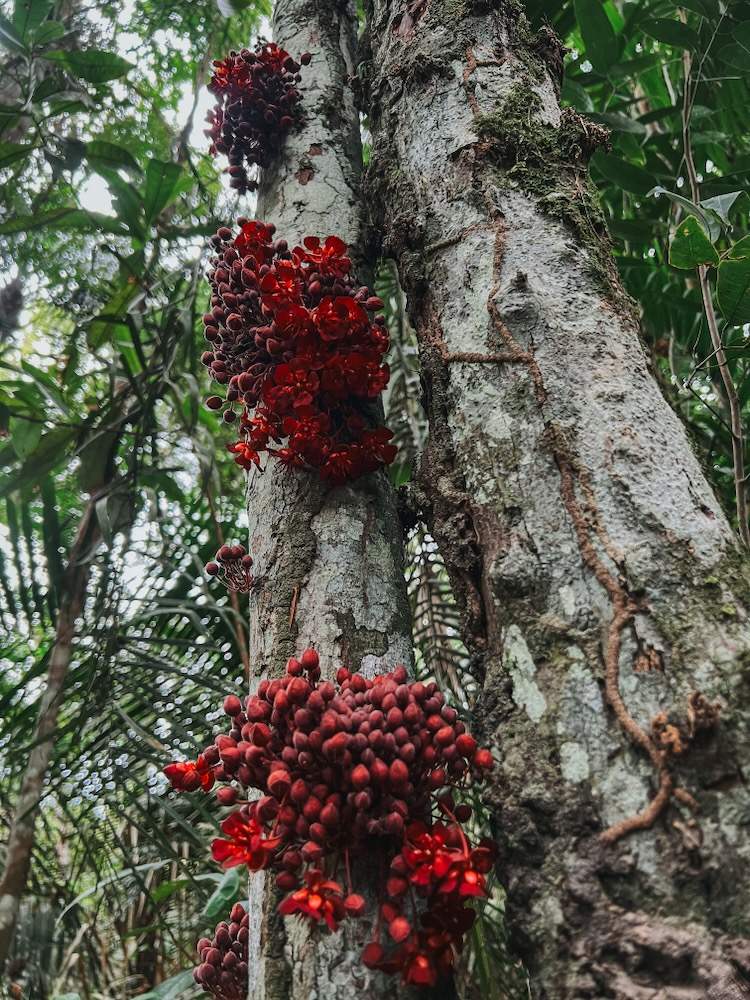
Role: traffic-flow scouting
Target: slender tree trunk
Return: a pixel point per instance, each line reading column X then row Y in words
column 21, row 837
column 600, row 582
column 330, row 560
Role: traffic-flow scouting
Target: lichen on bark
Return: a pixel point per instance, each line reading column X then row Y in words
column 572, row 514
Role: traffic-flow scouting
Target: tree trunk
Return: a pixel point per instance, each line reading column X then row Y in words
column 600, row 582
column 21, row 837
column 330, row 560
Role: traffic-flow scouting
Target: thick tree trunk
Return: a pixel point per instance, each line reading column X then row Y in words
column 600, row 581
column 330, row 560
column 21, row 836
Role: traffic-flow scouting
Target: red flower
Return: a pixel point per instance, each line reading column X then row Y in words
column 318, row 900
column 340, row 317
column 188, row 775
column 246, row 846
column 426, row 853
column 245, row 455
column 329, row 259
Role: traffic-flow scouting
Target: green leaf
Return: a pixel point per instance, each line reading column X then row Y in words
column 722, row 204
column 598, row 35
column 737, row 52
column 705, row 8
column 691, row 246
column 50, row 452
column 25, row 435
column 48, row 32
column 225, row 896
column 618, row 122
column 733, row 290
column 102, row 153
column 11, row 152
column 9, row 37
column 29, row 14
column 162, row 179
column 671, row 32
column 740, row 249
column 708, row 217
column 50, row 85
column 624, row 174
column 178, row 987
column 91, row 65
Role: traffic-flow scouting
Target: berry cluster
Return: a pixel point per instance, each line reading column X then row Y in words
column 232, row 565
column 340, row 767
column 292, row 339
column 258, row 103
column 223, row 968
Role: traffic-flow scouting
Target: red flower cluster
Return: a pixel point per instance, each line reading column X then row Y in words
column 258, row 103
column 223, row 968
column 438, row 864
column 292, row 339
column 233, row 566
column 338, row 767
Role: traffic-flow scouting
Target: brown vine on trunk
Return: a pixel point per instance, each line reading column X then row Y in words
column 601, row 584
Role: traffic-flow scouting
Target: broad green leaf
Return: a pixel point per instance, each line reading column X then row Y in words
column 127, row 201
column 29, row 14
column 722, row 204
column 598, row 35
column 740, row 249
column 625, row 175
column 102, row 153
column 161, row 183
column 708, row 217
column 691, row 246
column 11, row 152
column 671, row 32
column 49, row 453
column 618, row 122
column 226, row 895
column 705, row 8
column 9, row 37
column 25, row 435
column 733, row 290
column 50, row 85
column 48, row 32
column 91, row 65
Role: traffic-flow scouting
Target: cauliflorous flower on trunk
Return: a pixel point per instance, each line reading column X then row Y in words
column 246, row 845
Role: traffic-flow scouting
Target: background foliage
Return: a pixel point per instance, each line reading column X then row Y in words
column 107, row 194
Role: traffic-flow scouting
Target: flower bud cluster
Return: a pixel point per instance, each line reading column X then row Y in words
column 342, row 768
column 232, row 565
column 258, row 102
column 293, row 341
column 223, row 959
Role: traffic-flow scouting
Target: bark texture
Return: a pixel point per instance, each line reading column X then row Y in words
column 600, row 582
column 21, row 836
column 331, row 561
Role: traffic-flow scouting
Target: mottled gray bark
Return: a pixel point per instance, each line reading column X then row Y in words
column 330, row 559
column 599, row 579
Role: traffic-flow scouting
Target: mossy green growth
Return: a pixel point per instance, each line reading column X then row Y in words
column 549, row 163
